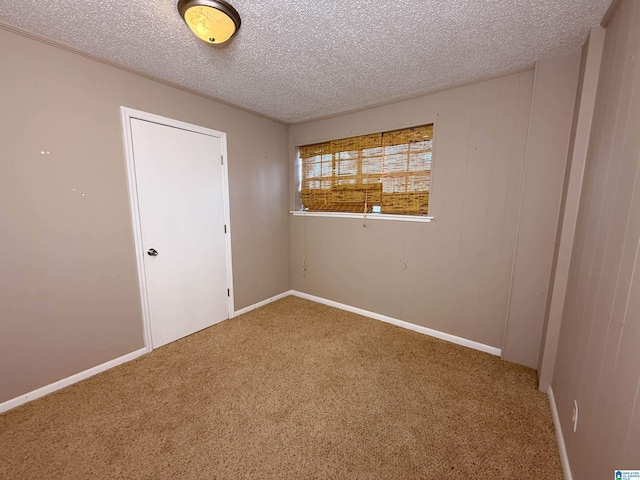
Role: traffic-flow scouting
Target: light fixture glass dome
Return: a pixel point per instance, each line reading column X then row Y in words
column 212, row 21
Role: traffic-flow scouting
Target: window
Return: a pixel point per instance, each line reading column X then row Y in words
column 386, row 172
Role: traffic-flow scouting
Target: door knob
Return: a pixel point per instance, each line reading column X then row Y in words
column 152, row 252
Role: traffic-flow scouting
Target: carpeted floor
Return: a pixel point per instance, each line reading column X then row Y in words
column 293, row 390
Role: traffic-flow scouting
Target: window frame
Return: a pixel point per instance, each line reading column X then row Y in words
column 298, row 176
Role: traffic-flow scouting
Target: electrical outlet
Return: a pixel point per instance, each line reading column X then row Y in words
column 574, row 418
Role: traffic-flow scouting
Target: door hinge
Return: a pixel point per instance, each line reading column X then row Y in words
column 225, row 229
column 228, row 293
column 221, row 159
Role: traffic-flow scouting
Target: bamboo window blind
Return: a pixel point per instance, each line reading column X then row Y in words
column 386, row 172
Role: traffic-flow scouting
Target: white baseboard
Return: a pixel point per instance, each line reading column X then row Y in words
column 8, row 405
column 401, row 323
column 262, row 303
column 564, row 458
column 65, row 382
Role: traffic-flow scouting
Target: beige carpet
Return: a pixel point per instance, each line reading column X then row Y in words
column 293, row 390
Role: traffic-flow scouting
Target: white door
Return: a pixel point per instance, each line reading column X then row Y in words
column 179, row 180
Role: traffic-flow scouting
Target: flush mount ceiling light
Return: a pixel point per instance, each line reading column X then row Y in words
column 212, row 21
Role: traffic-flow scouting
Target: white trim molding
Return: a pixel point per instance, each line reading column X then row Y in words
column 361, row 216
column 564, row 457
column 65, row 382
column 262, row 303
column 8, row 405
column 401, row 323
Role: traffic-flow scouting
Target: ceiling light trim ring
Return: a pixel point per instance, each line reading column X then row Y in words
column 220, row 5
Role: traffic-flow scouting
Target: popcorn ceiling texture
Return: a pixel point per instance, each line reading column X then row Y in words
column 297, row 60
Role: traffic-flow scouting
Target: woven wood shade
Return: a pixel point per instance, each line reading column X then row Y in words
column 390, row 170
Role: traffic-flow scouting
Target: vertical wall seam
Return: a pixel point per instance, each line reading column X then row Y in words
column 518, row 217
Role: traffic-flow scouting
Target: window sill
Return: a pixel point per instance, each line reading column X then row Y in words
column 369, row 216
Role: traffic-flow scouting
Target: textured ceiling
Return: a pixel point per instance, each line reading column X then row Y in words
column 296, row 60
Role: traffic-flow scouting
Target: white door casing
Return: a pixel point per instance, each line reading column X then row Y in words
column 179, row 199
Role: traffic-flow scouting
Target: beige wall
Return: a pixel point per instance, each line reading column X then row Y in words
column 582, row 121
column 70, row 297
column 458, row 267
column 598, row 359
column 554, row 94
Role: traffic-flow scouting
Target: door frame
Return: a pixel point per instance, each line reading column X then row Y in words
column 127, row 114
